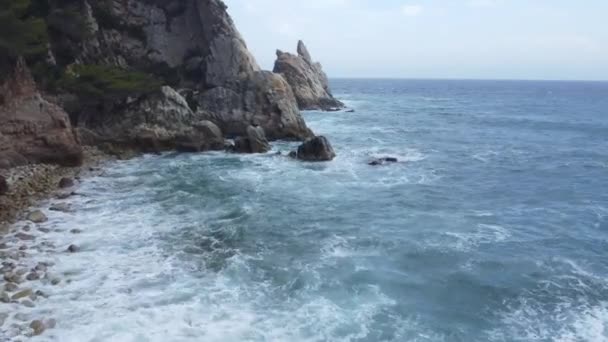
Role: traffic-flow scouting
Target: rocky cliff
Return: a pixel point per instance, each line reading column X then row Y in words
column 194, row 47
column 307, row 79
column 129, row 70
column 32, row 129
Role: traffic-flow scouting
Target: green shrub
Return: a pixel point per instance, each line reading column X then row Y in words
column 96, row 83
column 21, row 34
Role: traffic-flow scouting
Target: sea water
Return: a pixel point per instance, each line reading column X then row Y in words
column 493, row 226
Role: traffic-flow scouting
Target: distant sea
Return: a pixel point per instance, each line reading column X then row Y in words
column 493, row 226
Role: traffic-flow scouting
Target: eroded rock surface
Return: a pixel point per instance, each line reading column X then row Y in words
column 307, row 79
column 32, row 129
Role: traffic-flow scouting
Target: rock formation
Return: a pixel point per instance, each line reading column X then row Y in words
column 254, row 142
column 315, row 149
column 32, row 129
column 187, row 44
column 307, row 79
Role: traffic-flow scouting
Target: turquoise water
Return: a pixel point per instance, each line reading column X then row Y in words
column 492, row 227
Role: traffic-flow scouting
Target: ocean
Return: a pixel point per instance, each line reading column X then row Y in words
column 493, row 226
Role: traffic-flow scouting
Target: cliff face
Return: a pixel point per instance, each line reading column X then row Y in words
column 307, row 79
column 190, row 45
column 33, row 130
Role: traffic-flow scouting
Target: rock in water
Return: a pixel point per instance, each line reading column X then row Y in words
column 73, row 249
column 3, row 186
column 257, row 140
column 382, row 161
column 38, row 327
column 315, row 149
column 37, row 216
column 66, row 183
column 307, row 80
column 61, row 207
column 254, row 142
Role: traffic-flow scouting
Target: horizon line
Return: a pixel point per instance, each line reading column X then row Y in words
column 463, row 79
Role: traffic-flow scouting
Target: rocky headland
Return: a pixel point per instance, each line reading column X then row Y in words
column 307, row 79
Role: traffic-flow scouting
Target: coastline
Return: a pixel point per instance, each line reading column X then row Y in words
column 24, row 273
column 30, row 184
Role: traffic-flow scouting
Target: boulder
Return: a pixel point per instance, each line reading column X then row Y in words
column 263, row 99
column 37, row 216
column 38, row 327
column 307, row 79
column 3, row 186
column 73, row 249
column 254, row 142
column 204, row 136
column 315, row 149
column 66, row 183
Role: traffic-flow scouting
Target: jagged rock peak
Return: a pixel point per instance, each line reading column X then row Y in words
column 307, row 80
column 303, row 52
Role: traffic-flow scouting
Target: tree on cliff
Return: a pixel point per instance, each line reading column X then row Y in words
column 20, row 32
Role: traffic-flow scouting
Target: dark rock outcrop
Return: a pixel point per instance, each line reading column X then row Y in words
column 315, row 149
column 66, row 183
column 32, row 129
column 254, row 142
column 307, row 79
column 382, row 161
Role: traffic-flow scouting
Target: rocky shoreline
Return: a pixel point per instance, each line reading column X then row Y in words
column 25, row 275
column 31, row 183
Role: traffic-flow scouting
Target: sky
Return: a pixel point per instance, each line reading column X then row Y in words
column 472, row 39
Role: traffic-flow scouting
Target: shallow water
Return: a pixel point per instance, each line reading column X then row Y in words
column 492, row 227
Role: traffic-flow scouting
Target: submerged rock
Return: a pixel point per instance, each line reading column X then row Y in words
column 61, row 207
column 307, row 80
column 315, row 149
column 382, row 161
column 24, row 236
column 37, row 217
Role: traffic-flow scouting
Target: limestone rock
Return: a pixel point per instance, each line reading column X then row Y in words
column 315, row 149
column 307, row 79
column 37, row 217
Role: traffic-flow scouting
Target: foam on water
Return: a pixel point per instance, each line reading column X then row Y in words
column 484, row 231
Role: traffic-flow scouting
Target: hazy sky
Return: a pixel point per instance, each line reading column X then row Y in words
column 515, row 39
